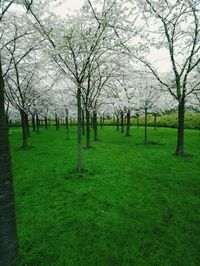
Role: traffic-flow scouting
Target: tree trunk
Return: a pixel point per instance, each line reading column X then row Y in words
column 117, row 127
column 8, row 231
column 83, row 122
column 128, row 123
column 122, row 122
column 155, row 121
column 46, row 122
column 95, row 126
column 24, row 129
column 88, row 142
column 137, row 117
column 103, row 120
column 67, row 125
column 145, row 126
column 181, row 120
column 79, row 136
column 33, row 122
column 27, row 125
column 37, row 123
column 56, row 122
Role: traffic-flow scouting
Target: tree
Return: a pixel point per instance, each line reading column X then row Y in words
column 74, row 51
column 176, row 28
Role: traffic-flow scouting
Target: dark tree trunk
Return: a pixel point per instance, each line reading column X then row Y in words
column 145, row 126
column 128, row 123
column 155, row 121
column 56, row 121
column 88, row 142
column 117, row 127
column 95, row 126
column 67, row 125
column 24, row 128
column 37, row 123
column 83, row 122
column 91, row 122
column 8, row 231
column 103, row 120
column 79, row 135
column 33, row 122
column 181, row 120
column 122, row 122
column 27, row 125
column 46, row 122
column 137, row 117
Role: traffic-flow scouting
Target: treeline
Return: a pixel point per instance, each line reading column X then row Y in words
column 192, row 121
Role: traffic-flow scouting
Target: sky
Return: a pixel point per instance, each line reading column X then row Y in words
column 68, row 6
column 159, row 57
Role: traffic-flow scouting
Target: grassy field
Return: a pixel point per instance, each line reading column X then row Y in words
column 134, row 205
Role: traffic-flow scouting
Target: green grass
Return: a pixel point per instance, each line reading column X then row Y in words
column 135, row 204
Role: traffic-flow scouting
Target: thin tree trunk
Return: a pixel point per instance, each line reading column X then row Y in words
column 91, row 122
column 95, row 126
column 145, row 126
column 56, row 121
column 67, row 125
column 83, row 122
column 103, row 120
column 128, row 123
column 117, row 127
column 37, row 123
column 180, row 135
column 79, row 136
column 8, row 231
column 137, row 117
column 27, row 125
column 88, row 142
column 33, row 122
column 122, row 122
column 155, row 121
column 46, row 122
column 24, row 129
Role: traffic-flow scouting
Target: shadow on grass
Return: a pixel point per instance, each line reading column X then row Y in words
column 84, row 174
column 24, row 148
column 150, row 143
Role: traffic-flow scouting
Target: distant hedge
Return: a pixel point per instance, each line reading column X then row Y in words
column 192, row 120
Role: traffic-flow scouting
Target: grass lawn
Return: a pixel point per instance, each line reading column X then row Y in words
column 135, row 204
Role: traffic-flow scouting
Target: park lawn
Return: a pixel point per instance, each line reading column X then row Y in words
column 133, row 205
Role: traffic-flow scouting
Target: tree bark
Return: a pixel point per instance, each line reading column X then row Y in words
column 117, row 127
column 122, row 122
column 24, row 129
column 79, row 127
column 88, row 142
column 46, row 122
column 8, row 231
column 27, row 125
column 67, row 125
column 95, row 126
column 128, row 123
column 33, row 122
column 56, row 121
column 83, row 122
column 137, row 117
column 155, row 121
column 37, row 123
column 181, row 120
column 145, row 126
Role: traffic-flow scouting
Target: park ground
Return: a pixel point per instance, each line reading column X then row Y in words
column 134, row 204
